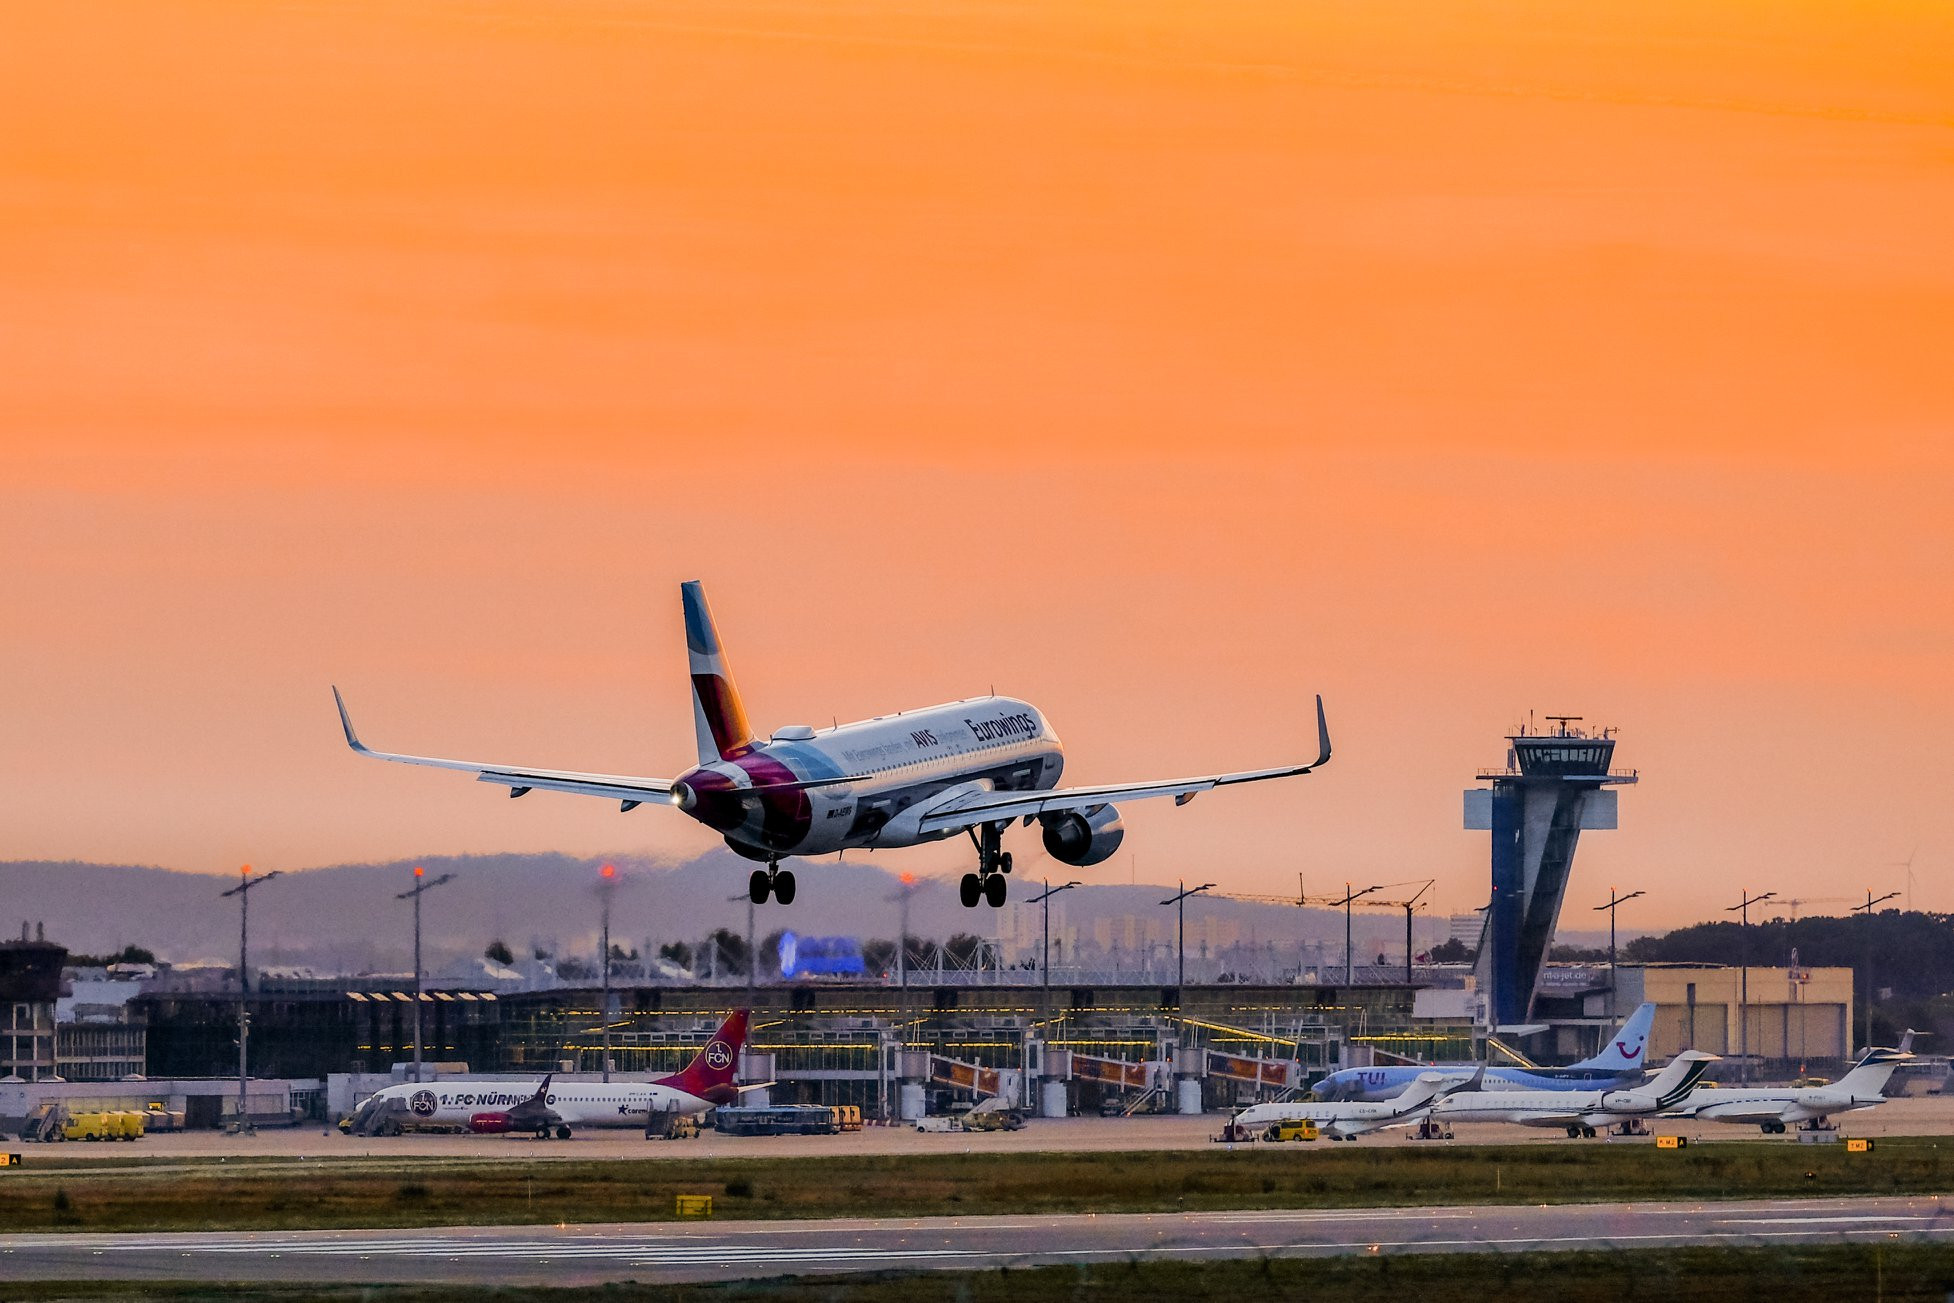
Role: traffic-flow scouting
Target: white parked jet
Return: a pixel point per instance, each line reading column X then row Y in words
column 1773, row 1109
column 972, row 767
column 499, row 1107
column 1580, row 1111
column 1346, row 1120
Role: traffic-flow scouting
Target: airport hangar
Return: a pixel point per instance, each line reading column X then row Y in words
column 899, row 1047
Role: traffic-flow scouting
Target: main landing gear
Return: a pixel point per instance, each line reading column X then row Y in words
column 771, row 881
column 993, row 862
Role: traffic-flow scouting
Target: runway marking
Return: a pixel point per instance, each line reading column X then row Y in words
column 1816, row 1221
column 1328, row 1215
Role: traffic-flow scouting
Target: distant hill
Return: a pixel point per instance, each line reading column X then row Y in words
column 344, row 918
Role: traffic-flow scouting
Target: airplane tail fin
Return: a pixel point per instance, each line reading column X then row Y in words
column 710, row 1074
column 1870, row 1074
column 1624, row 1050
column 543, row 1091
column 1680, row 1076
column 1428, row 1087
column 718, row 718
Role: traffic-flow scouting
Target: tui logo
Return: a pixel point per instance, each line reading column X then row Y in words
column 1627, row 1053
column 719, row 1055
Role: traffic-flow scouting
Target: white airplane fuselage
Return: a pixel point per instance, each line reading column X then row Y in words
column 780, row 797
column 458, row 1102
column 1345, row 1119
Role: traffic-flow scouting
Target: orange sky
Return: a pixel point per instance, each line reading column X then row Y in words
column 1161, row 362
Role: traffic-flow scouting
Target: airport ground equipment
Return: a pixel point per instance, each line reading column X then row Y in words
column 775, row 1120
column 1556, row 785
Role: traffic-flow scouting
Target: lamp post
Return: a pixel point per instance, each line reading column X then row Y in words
column 752, row 955
column 243, row 893
column 1349, row 961
column 1614, row 899
column 606, row 884
column 422, row 885
column 1044, row 901
column 901, row 897
column 1180, row 903
column 1743, row 991
column 1867, row 910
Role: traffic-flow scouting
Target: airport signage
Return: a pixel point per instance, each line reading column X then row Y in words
column 1672, row 1142
column 1858, row 1146
column 9, row 1160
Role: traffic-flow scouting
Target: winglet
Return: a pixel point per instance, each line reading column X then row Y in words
column 1322, row 735
column 346, row 722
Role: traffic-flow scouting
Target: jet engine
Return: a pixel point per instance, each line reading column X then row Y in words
column 489, row 1124
column 1085, row 837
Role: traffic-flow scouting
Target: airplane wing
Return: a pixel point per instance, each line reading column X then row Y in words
column 1755, row 1110
column 1001, row 807
column 520, row 778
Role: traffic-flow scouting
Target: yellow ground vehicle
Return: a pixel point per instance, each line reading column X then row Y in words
column 128, row 1124
column 1300, row 1129
column 848, row 1117
column 91, row 1126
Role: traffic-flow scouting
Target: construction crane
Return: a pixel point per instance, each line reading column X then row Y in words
column 1407, row 905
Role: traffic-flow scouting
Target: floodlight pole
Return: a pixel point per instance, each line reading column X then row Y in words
column 1743, row 991
column 1180, row 904
column 1044, row 901
column 1867, row 910
column 1349, row 945
column 243, row 893
column 752, row 955
column 1614, row 899
column 421, row 885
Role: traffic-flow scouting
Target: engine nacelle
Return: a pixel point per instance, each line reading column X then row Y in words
column 1087, row 837
column 489, row 1124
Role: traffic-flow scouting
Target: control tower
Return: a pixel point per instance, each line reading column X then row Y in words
column 1555, row 785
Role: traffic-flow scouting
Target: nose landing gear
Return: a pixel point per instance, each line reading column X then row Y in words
column 771, row 881
column 993, row 862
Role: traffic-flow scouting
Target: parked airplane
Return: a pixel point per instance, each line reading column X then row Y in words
column 1808, row 1107
column 1347, row 1121
column 970, row 767
column 1618, row 1065
column 496, row 1108
column 1580, row 1111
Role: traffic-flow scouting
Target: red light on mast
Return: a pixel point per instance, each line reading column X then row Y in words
column 609, row 870
column 419, row 871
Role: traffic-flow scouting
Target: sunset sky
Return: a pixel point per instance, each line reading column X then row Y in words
column 1162, row 363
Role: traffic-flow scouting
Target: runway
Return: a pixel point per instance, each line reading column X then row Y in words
column 590, row 1255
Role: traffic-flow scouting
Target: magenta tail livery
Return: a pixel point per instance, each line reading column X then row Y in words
column 971, row 767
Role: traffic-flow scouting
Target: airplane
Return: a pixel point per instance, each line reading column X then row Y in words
column 499, row 1108
column 1345, row 1120
column 1580, row 1111
column 972, row 767
column 1617, row 1066
column 1808, row 1107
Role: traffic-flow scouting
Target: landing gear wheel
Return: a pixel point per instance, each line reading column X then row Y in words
column 994, row 891
column 759, row 887
column 563, row 1133
column 783, row 886
column 1004, row 862
column 968, row 889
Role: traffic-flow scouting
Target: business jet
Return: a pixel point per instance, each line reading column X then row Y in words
column 972, row 767
column 1618, row 1065
column 1581, row 1112
column 1346, row 1120
column 500, row 1108
column 1806, row 1107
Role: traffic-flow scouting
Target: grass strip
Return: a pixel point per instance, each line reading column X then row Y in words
column 1891, row 1272
column 341, row 1194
